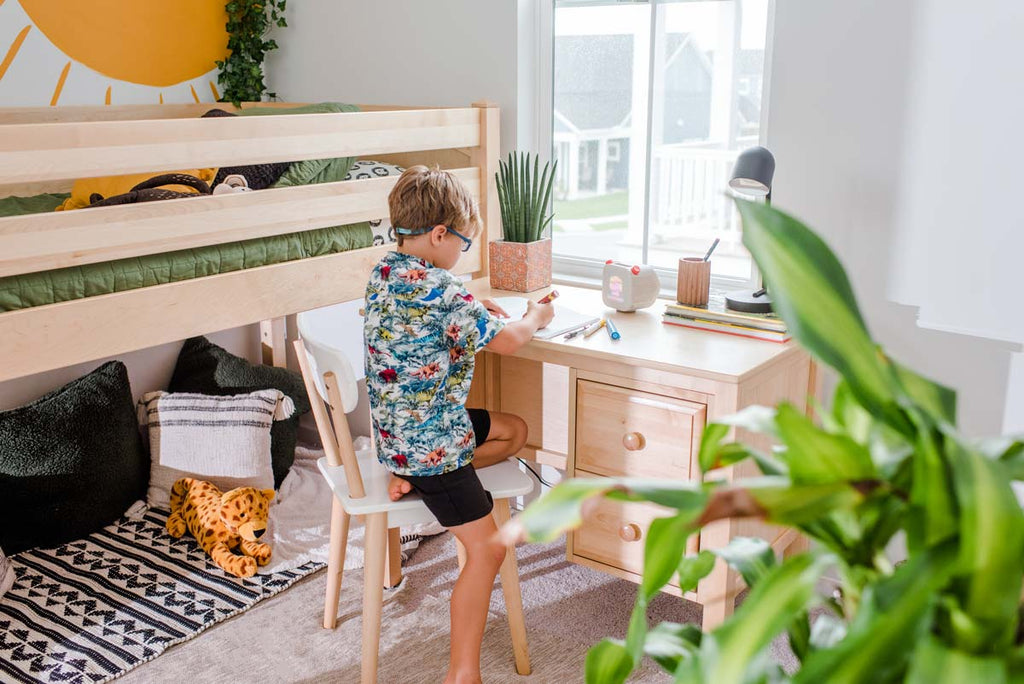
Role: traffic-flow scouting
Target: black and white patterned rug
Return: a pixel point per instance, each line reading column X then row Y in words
column 90, row 610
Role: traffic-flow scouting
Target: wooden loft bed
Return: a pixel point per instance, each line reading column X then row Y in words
column 45, row 149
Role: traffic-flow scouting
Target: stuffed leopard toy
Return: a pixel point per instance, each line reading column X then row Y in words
column 222, row 522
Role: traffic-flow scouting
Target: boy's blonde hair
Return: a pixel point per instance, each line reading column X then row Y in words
column 424, row 198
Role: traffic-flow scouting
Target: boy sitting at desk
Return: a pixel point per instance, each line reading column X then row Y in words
column 422, row 330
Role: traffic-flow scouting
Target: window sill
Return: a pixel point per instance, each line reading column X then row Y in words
column 586, row 273
column 666, row 294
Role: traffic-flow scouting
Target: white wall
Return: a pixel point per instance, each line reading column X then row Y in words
column 403, row 52
column 841, row 115
column 148, row 369
column 962, row 169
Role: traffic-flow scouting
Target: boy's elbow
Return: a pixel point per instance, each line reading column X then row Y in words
column 505, row 342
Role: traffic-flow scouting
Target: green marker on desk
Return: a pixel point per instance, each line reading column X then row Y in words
column 613, row 332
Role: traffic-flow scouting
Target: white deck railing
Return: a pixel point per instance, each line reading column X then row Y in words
column 689, row 194
column 690, row 199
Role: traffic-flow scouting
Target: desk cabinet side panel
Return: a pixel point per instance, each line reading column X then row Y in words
column 788, row 384
column 539, row 394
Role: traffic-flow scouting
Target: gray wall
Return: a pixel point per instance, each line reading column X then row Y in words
column 402, row 52
column 839, row 111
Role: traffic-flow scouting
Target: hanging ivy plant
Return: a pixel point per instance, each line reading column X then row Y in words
column 249, row 22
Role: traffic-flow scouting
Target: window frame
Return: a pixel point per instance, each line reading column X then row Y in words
column 587, row 270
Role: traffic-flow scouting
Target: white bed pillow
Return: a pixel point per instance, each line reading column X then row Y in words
column 221, row 439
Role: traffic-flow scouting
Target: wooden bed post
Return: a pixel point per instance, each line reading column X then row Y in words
column 485, row 156
column 272, row 342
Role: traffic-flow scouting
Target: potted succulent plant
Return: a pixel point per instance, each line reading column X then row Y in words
column 522, row 261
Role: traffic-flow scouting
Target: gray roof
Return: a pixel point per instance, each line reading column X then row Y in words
column 593, row 76
column 592, row 79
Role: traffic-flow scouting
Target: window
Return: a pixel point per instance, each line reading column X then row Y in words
column 652, row 101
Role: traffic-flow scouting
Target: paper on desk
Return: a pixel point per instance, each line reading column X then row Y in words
column 565, row 318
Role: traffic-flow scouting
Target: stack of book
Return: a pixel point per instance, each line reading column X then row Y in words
column 716, row 317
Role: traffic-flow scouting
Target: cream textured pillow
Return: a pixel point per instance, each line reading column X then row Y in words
column 221, row 439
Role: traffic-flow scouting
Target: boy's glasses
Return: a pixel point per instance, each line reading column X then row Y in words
column 468, row 242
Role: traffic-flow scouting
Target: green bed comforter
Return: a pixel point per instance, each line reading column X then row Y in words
column 60, row 285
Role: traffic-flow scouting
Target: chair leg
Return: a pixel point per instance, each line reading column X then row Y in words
column 335, row 563
column 460, row 552
column 373, row 592
column 393, row 575
column 513, row 596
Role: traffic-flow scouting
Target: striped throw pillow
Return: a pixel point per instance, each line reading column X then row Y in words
column 221, row 439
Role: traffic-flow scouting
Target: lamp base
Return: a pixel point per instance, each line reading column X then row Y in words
column 749, row 302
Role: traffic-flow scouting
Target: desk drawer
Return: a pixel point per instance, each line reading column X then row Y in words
column 614, row 534
column 627, row 432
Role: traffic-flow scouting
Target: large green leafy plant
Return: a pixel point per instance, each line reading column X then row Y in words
column 524, row 196
column 885, row 459
column 249, row 22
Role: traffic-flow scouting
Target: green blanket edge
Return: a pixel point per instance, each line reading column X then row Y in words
column 79, row 282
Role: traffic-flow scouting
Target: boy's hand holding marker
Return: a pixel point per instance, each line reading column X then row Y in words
column 541, row 312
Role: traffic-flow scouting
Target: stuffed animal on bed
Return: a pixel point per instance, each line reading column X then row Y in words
column 222, row 522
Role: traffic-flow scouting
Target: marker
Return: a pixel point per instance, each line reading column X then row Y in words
column 594, row 328
column 613, row 332
column 573, row 332
column 549, row 297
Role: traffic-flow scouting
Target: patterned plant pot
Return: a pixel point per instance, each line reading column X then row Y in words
column 520, row 266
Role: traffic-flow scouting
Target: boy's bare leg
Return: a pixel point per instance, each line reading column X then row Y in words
column 506, row 438
column 397, row 488
column 472, row 596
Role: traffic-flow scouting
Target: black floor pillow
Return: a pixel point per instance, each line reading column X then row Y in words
column 71, row 462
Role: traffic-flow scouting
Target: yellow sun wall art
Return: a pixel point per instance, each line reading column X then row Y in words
column 79, row 52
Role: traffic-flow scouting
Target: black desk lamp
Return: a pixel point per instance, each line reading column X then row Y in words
column 752, row 176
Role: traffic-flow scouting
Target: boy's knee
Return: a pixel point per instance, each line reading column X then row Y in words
column 491, row 552
column 496, row 552
column 520, row 433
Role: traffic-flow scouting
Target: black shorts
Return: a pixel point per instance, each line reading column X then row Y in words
column 481, row 421
column 455, row 498
column 458, row 497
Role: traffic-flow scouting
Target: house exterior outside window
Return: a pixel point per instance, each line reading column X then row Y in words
column 652, row 101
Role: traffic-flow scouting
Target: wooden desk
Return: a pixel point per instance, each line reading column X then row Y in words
column 637, row 407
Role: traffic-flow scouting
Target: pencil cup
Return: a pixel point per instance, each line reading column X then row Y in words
column 693, row 281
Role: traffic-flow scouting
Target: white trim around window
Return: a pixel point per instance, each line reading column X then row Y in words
column 537, row 56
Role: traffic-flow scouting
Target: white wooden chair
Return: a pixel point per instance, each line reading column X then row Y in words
column 360, row 488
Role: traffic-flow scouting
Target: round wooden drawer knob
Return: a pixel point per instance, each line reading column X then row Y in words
column 633, row 441
column 630, row 532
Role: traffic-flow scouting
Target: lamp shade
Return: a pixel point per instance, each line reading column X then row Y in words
column 753, row 172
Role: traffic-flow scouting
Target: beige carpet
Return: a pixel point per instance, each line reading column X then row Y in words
column 568, row 609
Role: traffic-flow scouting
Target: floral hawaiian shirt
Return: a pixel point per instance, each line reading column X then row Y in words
column 421, row 332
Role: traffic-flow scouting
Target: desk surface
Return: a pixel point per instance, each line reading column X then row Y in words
column 648, row 342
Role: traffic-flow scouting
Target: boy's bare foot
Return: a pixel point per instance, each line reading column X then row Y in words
column 397, row 488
